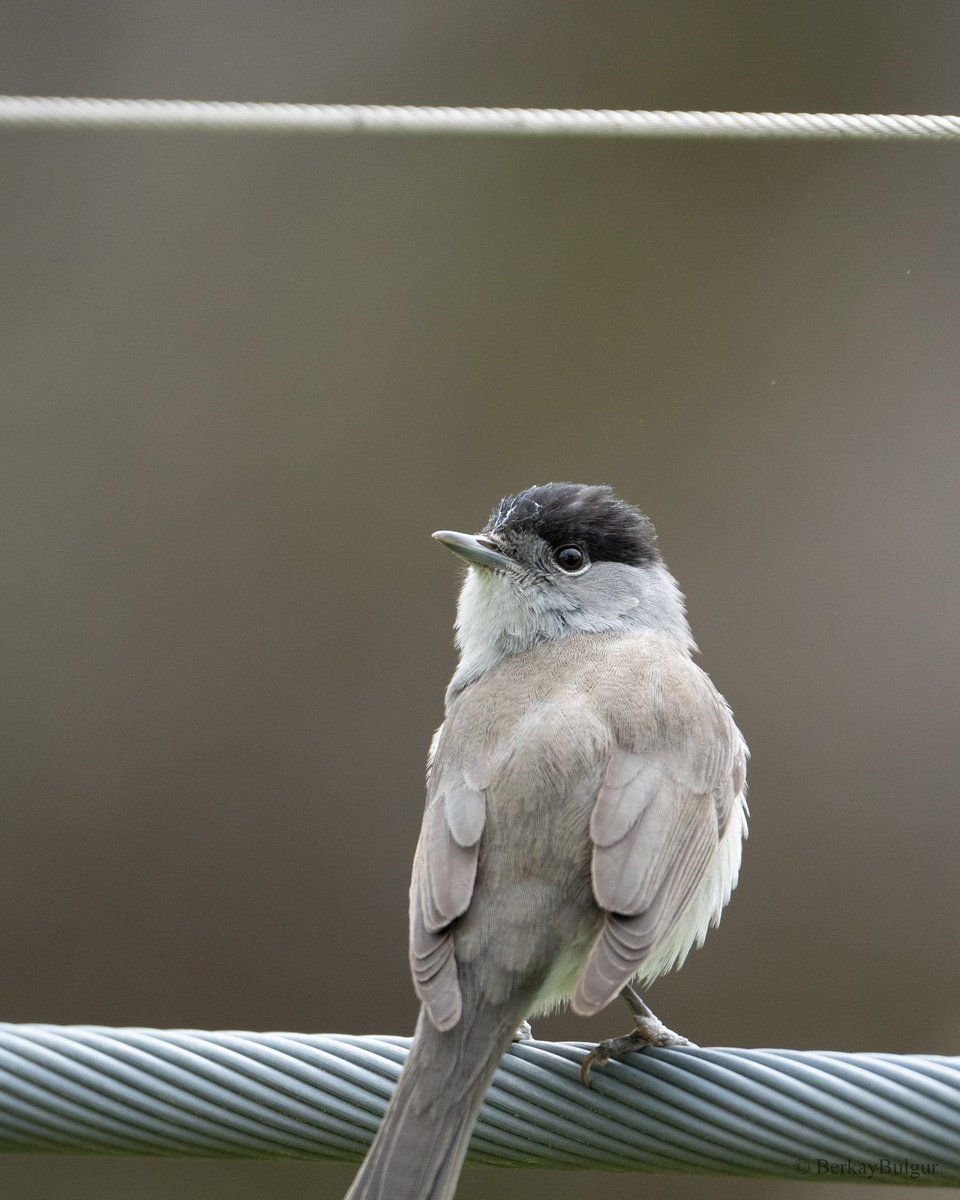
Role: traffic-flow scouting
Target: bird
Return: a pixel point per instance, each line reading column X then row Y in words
column 585, row 812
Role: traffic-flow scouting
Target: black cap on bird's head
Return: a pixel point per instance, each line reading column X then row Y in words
column 586, row 515
column 568, row 524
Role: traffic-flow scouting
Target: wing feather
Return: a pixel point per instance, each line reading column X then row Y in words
column 444, row 873
column 465, row 810
column 630, row 784
column 657, row 826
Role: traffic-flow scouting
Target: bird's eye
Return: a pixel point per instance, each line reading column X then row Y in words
column 570, row 559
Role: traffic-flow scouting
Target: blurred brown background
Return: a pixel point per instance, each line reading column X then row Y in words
column 244, row 377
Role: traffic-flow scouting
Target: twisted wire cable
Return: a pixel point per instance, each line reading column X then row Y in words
column 57, row 112
column 775, row 1113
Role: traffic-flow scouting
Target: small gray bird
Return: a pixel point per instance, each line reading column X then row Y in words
column 584, row 819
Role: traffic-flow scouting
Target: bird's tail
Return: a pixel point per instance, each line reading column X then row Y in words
column 420, row 1147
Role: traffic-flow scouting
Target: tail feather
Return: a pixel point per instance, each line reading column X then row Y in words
column 420, row 1147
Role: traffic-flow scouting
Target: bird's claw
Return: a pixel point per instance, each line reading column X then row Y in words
column 649, row 1031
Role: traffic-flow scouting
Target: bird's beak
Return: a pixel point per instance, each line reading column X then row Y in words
column 477, row 550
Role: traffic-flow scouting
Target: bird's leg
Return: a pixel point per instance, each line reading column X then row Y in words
column 648, row 1030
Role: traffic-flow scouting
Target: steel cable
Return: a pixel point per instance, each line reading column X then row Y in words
column 776, row 1113
column 60, row 112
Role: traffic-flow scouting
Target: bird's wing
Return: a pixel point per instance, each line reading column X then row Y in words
column 657, row 824
column 444, row 870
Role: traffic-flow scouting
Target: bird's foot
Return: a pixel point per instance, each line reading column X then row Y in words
column 524, row 1033
column 648, row 1030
